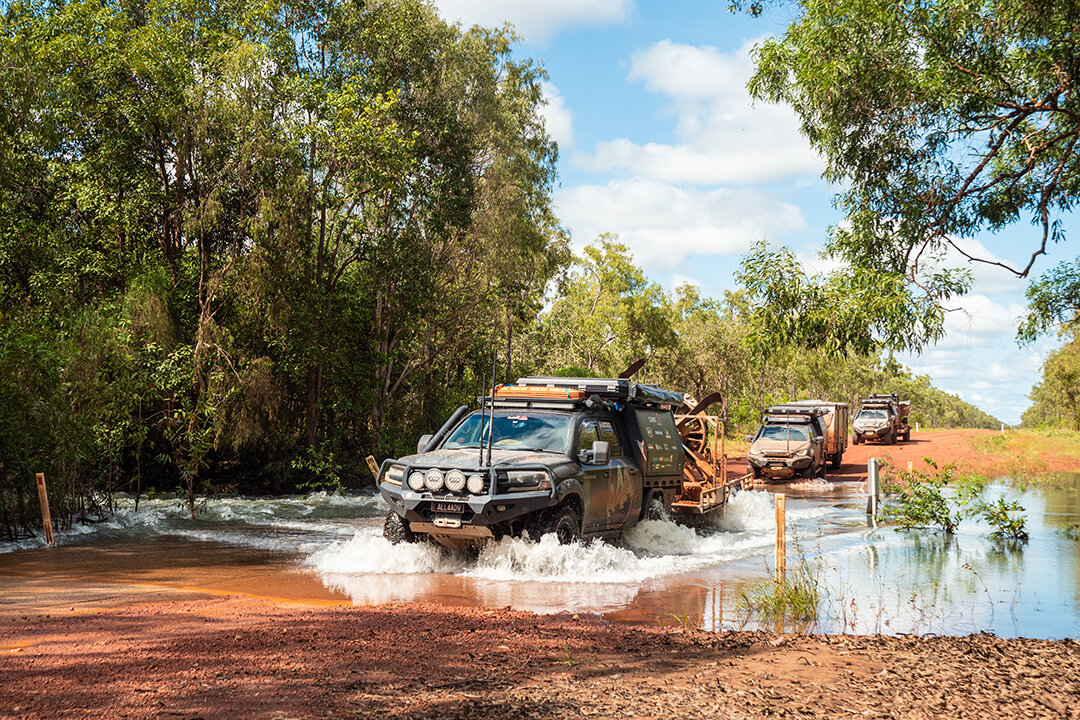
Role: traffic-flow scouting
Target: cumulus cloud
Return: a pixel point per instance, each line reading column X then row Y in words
column 537, row 22
column 558, row 119
column 979, row 321
column 663, row 224
column 722, row 137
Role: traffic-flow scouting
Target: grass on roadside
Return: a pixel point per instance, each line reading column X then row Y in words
column 1022, row 455
column 794, row 599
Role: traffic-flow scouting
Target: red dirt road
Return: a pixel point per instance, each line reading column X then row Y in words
column 245, row 658
column 942, row 446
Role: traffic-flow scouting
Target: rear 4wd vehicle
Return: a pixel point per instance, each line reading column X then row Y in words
column 790, row 442
column 577, row 457
column 883, row 418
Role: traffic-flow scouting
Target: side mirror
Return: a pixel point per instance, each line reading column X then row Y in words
column 818, row 440
column 421, row 444
column 749, row 438
column 600, row 452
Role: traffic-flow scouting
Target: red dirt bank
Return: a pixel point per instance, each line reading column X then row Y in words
column 238, row 657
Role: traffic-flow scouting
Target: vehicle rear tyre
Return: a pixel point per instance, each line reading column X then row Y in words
column 564, row 522
column 907, row 435
column 837, row 461
column 396, row 531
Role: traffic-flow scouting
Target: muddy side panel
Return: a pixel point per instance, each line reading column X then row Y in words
column 657, row 449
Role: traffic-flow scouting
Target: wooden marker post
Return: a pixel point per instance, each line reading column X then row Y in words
column 872, row 480
column 46, row 519
column 781, row 540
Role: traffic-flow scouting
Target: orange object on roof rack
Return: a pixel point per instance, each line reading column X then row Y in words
column 534, row 392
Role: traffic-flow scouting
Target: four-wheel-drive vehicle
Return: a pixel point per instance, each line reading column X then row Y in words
column 578, row 457
column 790, row 442
column 835, row 416
column 882, row 418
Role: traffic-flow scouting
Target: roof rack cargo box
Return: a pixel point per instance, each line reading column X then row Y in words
column 884, row 397
column 795, row 409
column 610, row 388
column 827, row 404
column 787, row 418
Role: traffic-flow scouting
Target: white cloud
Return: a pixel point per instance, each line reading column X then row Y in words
column 557, row 117
column 663, row 224
column 979, row 321
column 678, row 280
column 537, row 22
column 723, row 138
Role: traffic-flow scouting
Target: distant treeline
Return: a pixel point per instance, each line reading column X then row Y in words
column 243, row 246
column 1056, row 400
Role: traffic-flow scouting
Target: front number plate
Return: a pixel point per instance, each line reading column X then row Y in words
column 448, row 507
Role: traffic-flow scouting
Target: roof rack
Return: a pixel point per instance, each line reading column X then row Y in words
column 607, row 388
column 795, row 409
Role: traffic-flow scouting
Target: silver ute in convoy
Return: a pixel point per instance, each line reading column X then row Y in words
column 883, row 418
column 798, row 439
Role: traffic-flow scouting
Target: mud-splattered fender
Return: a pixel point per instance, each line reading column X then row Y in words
column 568, row 487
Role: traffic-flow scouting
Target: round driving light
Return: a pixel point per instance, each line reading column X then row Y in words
column 416, row 481
column 455, row 480
column 433, row 479
column 476, row 484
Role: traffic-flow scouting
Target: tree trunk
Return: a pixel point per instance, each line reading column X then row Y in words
column 314, row 390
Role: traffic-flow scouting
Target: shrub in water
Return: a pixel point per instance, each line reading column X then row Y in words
column 918, row 498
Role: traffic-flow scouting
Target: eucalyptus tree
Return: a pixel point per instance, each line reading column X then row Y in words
column 940, row 119
column 606, row 314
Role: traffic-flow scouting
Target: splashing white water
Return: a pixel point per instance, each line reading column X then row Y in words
column 653, row 548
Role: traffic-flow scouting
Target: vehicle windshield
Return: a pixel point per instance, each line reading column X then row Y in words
column 789, row 433
column 872, row 415
column 514, row 430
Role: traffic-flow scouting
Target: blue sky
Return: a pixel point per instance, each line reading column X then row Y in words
column 660, row 144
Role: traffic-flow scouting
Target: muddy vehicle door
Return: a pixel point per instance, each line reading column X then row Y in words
column 606, row 480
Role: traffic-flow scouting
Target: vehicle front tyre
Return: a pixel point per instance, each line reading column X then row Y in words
column 564, row 522
column 821, row 469
column 854, row 439
column 396, row 531
column 890, row 439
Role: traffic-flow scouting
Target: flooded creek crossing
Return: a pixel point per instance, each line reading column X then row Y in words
column 326, row 549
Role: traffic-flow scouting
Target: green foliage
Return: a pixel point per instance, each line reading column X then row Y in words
column 918, row 498
column 248, row 240
column 844, row 313
column 941, row 119
column 1004, row 516
column 1056, row 400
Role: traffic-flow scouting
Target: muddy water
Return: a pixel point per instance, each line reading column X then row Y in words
column 327, row 549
